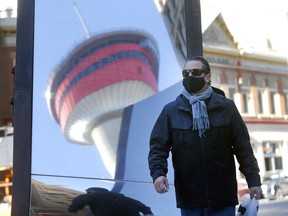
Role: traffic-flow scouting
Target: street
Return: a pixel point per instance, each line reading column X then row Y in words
column 275, row 208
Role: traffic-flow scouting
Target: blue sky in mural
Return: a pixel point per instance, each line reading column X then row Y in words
column 58, row 29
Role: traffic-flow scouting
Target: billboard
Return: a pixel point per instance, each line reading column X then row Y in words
column 99, row 75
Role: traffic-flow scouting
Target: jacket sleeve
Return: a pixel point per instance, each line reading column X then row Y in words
column 243, row 150
column 159, row 147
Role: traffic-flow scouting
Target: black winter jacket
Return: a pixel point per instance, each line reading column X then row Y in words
column 204, row 168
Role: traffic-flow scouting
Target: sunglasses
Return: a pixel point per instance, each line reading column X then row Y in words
column 194, row 72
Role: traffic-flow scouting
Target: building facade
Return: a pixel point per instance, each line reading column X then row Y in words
column 7, row 62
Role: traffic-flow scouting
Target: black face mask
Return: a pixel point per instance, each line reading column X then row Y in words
column 193, row 84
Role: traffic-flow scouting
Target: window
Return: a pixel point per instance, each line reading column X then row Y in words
column 286, row 102
column 247, row 97
column 232, row 87
column 272, row 156
column 274, row 98
column 260, row 102
column 285, row 95
column 261, row 94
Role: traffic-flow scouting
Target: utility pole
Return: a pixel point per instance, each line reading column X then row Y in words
column 194, row 42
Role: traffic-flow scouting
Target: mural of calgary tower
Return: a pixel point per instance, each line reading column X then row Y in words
column 97, row 80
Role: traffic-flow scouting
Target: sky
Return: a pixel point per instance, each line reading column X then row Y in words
column 58, row 29
column 252, row 22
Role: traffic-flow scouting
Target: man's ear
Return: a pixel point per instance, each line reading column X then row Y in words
column 208, row 78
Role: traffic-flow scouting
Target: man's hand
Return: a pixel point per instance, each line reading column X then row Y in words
column 256, row 192
column 161, row 184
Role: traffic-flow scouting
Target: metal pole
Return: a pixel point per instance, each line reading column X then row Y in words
column 23, row 86
column 193, row 28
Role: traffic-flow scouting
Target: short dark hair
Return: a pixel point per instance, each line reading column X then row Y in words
column 205, row 63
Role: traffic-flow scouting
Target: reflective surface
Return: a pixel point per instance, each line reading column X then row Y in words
column 53, row 194
column 98, row 71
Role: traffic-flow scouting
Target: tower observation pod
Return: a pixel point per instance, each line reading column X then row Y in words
column 90, row 88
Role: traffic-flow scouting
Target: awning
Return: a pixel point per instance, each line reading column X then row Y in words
column 260, row 136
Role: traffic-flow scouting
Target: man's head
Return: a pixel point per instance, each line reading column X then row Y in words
column 196, row 75
column 203, row 62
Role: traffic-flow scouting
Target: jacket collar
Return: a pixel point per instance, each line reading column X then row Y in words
column 215, row 101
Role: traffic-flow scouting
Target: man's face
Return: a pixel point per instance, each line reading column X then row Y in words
column 188, row 70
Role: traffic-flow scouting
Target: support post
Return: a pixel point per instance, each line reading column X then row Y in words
column 193, row 28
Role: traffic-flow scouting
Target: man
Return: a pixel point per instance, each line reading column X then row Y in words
column 203, row 130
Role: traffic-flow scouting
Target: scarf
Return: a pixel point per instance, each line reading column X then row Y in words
column 199, row 110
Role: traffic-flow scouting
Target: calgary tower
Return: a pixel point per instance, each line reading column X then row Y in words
column 89, row 89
